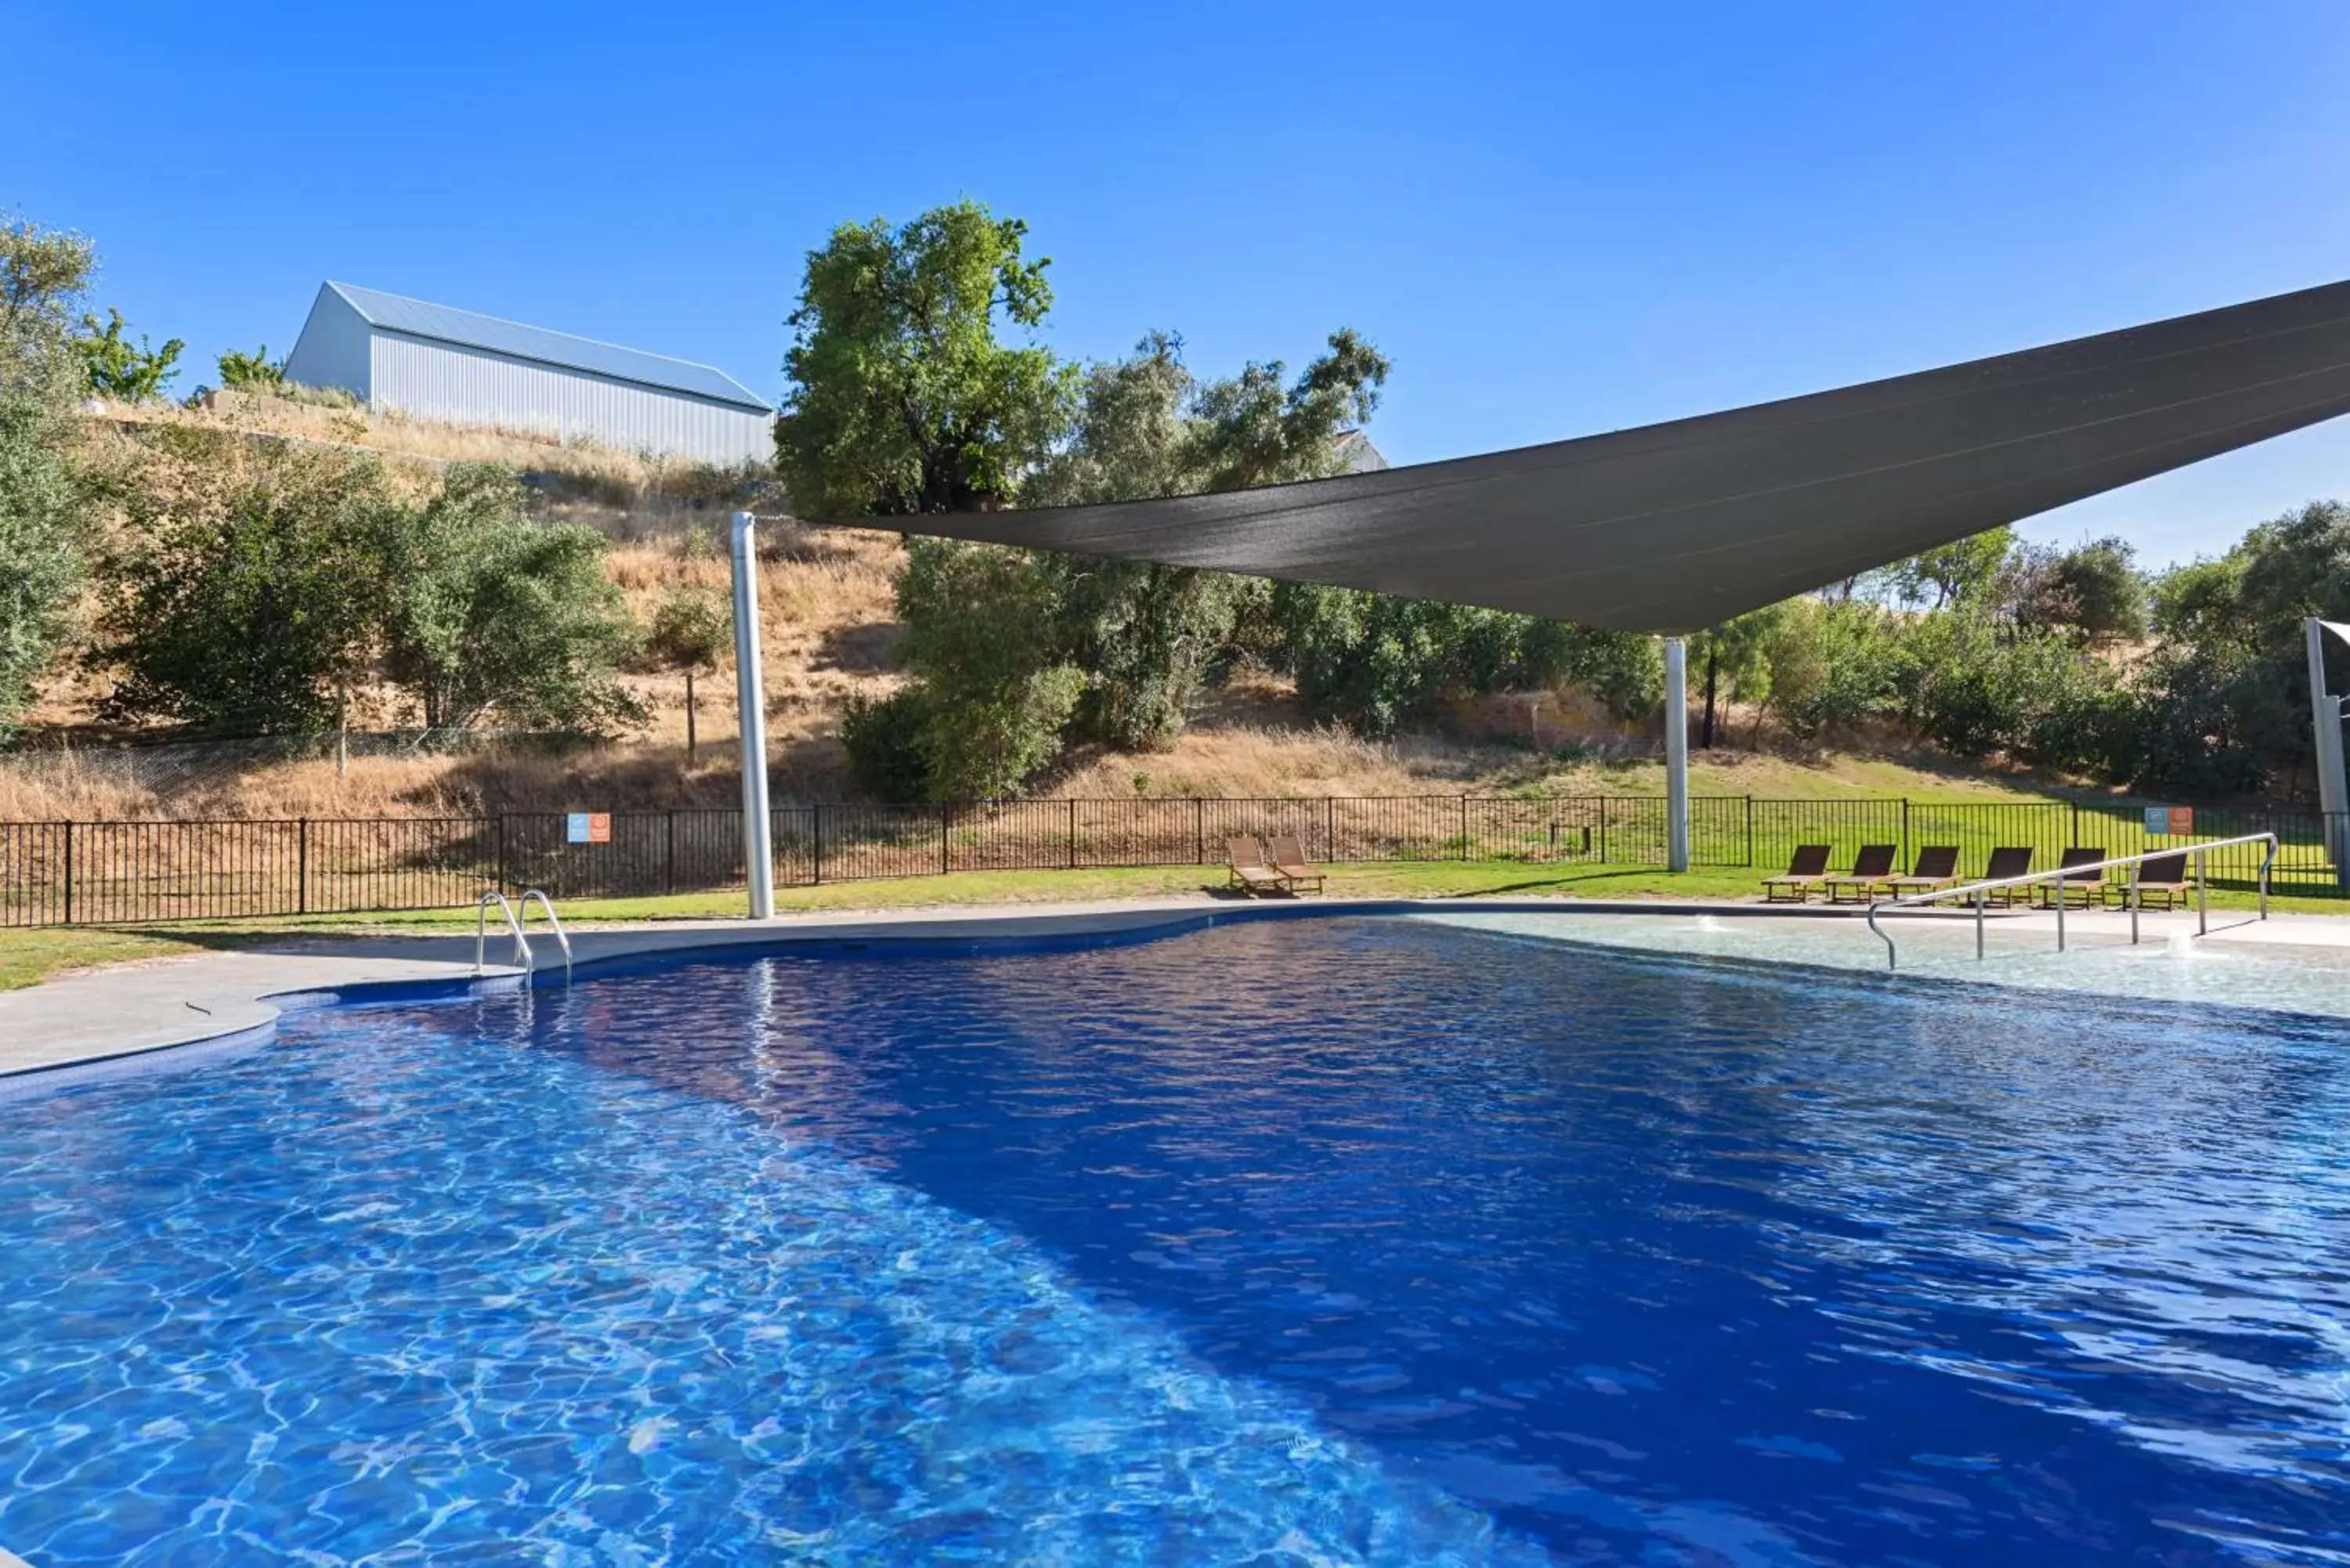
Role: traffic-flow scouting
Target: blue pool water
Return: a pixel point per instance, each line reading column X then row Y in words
column 1325, row 1241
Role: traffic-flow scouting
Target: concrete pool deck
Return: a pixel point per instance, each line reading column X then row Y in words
column 131, row 1009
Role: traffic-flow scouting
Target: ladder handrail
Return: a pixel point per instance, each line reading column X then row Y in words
column 553, row 923
column 2059, row 874
column 513, row 925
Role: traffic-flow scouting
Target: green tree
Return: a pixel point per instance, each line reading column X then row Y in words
column 1734, row 658
column 1148, row 636
column 1835, row 665
column 488, row 614
column 1955, row 573
column 255, row 371
column 904, row 398
column 39, row 567
column 247, row 590
column 2106, row 592
column 43, row 272
column 118, row 368
column 690, row 630
column 995, row 695
column 43, row 275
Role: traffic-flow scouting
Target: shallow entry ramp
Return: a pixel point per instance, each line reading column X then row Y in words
column 1675, row 526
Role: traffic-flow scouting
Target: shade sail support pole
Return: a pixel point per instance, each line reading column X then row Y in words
column 2333, row 795
column 751, row 714
column 1677, row 798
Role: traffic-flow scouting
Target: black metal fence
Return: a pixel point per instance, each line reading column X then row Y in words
column 77, row 872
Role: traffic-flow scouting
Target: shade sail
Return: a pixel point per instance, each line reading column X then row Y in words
column 1674, row 526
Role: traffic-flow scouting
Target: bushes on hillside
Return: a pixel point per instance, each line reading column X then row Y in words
column 255, row 583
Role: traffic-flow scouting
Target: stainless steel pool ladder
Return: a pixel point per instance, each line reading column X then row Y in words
column 523, row 954
column 2057, row 874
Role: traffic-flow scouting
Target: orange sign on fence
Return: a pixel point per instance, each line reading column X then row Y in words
column 2170, row 821
column 587, row 828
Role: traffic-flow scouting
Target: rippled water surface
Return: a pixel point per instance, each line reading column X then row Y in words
column 1323, row 1241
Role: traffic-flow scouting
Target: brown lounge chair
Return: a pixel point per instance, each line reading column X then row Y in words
column 2164, row 877
column 1289, row 859
column 1936, row 867
column 1871, row 869
column 1806, row 869
column 1251, row 871
column 2007, row 860
column 2087, row 885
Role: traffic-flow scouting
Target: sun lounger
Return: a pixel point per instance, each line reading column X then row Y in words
column 1289, row 859
column 1251, row 871
column 1871, row 869
column 2162, row 882
column 2088, row 887
column 2007, row 860
column 1806, row 868
column 1936, row 867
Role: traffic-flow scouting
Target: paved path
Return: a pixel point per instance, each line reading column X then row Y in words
column 126, row 1010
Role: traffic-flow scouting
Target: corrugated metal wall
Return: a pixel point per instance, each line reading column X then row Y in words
column 441, row 381
column 332, row 348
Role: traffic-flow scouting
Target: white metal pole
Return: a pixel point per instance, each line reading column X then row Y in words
column 1677, row 804
column 2326, row 712
column 751, row 713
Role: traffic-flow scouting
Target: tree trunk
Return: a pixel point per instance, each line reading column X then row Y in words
column 689, row 715
column 1712, row 681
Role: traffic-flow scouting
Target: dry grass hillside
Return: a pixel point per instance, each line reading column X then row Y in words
column 828, row 633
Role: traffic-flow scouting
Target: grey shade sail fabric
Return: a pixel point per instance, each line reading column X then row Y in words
column 1671, row 527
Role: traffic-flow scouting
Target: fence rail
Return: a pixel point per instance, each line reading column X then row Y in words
column 78, row 873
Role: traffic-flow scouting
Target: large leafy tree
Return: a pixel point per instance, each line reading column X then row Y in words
column 1148, row 636
column 904, row 398
column 247, row 591
column 488, row 614
column 43, row 272
column 2226, row 691
column 992, row 699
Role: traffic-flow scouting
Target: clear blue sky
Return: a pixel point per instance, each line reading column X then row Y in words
column 1556, row 219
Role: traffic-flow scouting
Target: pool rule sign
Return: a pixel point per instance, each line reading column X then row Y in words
column 587, row 828
column 2169, row 821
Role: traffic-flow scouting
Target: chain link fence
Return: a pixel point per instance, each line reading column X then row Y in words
column 76, row 873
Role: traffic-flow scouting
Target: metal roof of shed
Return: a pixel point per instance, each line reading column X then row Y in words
column 471, row 329
column 1674, row 526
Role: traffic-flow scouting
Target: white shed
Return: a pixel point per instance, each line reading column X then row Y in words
column 435, row 362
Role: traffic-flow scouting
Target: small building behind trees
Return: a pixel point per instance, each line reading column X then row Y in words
column 436, row 362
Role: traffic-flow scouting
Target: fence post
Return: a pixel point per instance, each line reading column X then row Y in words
column 815, row 836
column 499, row 836
column 1464, row 827
column 1603, row 830
column 669, row 851
column 1198, row 830
column 1904, row 830
column 1073, row 833
column 1749, row 832
column 946, row 826
column 70, row 838
column 302, row 866
column 1329, row 827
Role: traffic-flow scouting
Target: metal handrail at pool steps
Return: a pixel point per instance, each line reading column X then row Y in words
column 2059, row 875
column 514, row 923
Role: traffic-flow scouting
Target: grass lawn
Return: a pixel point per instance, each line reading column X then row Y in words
column 27, row 956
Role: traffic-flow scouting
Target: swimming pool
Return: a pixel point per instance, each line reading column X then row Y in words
column 1361, row 1240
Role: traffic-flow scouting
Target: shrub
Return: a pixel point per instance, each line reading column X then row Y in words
column 885, row 737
